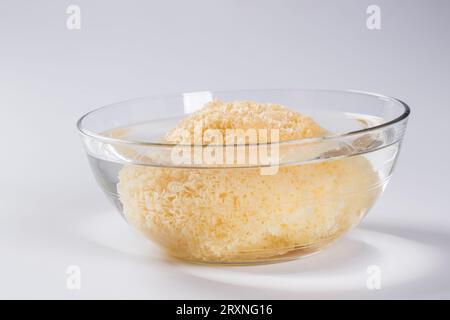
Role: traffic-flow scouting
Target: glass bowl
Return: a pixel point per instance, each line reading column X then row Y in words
column 299, row 197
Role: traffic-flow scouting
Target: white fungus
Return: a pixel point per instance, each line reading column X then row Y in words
column 237, row 214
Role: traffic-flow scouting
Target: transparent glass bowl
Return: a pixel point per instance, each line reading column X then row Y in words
column 246, row 212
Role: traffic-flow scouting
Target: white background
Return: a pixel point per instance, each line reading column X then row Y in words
column 53, row 215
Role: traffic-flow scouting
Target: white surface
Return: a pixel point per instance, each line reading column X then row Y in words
column 52, row 214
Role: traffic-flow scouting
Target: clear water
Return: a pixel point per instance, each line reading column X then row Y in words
column 107, row 171
column 350, row 202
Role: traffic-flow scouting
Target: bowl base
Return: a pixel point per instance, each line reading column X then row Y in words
column 294, row 254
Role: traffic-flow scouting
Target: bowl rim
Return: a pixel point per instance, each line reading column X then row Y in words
column 406, row 113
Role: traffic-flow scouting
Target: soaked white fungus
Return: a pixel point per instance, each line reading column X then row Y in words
column 223, row 215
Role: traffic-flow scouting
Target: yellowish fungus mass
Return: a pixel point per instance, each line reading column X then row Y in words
column 237, row 214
